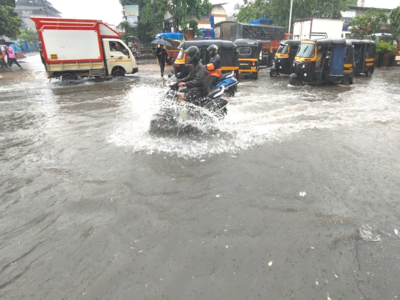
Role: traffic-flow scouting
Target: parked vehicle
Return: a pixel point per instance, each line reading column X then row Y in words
column 175, row 39
column 266, row 55
column 248, row 57
column 284, row 58
column 82, row 48
column 230, row 30
column 364, row 57
column 323, row 61
column 314, row 28
column 176, row 114
column 227, row 51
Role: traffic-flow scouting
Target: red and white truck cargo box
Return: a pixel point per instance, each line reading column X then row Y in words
column 74, row 48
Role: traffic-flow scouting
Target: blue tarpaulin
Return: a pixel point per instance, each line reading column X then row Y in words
column 261, row 22
column 208, row 34
column 170, row 35
column 337, row 61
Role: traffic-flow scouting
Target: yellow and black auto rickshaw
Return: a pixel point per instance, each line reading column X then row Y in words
column 248, row 57
column 227, row 51
column 284, row 57
column 323, row 61
column 364, row 57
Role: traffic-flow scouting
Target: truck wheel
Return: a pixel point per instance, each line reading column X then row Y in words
column 273, row 73
column 69, row 77
column 118, row 72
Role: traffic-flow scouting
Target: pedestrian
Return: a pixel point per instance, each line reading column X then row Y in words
column 3, row 63
column 162, row 57
column 11, row 57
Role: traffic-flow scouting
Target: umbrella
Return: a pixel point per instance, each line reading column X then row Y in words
column 161, row 42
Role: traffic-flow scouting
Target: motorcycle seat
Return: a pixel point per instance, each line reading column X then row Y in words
column 224, row 76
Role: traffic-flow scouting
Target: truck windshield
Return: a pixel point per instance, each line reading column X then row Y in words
column 306, row 50
column 283, row 49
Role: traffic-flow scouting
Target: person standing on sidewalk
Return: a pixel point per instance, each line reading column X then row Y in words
column 11, row 56
column 162, row 57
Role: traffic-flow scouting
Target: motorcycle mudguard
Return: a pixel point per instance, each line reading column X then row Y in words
column 227, row 82
column 273, row 68
column 293, row 75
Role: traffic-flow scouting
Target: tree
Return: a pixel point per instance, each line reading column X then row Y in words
column 251, row 10
column 152, row 15
column 29, row 36
column 279, row 10
column 395, row 21
column 369, row 23
column 9, row 20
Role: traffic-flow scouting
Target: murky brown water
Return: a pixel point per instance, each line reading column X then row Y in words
column 293, row 196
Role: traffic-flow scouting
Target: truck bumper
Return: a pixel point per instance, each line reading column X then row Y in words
column 135, row 70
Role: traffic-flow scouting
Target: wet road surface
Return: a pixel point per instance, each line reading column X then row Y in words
column 294, row 195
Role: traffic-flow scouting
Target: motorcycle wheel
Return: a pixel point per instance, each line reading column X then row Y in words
column 230, row 92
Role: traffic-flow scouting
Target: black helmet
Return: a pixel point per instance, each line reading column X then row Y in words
column 213, row 49
column 194, row 54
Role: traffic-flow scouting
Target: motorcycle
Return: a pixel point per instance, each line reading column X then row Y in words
column 178, row 114
column 230, row 83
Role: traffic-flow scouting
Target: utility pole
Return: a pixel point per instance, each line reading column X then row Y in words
column 290, row 16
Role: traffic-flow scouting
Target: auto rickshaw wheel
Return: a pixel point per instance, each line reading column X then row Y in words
column 256, row 75
column 369, row 72
column 294, row 81
column 346, row 81
column 273, row 73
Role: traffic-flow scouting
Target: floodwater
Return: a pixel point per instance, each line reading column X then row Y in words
column 294, row 195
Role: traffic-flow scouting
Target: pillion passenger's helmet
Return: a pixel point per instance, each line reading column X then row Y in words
column 213, row 49
column 193, row 55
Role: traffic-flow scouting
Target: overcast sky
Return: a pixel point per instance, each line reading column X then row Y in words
column 110, row 11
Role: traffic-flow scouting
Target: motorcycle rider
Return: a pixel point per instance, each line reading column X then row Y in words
column 197, row 81
column 214, row 66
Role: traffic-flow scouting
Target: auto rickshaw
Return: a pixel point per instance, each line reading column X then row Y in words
column 175, row 39
column 364, row 57
column 227, row 51
column 248, row 57
column 323, row 61
column 284, row 57
column 266, row 53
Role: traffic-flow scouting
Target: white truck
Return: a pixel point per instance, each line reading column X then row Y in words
column 75, row 48
column 314, row 28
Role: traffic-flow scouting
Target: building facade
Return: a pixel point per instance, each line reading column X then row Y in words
column 34, row 8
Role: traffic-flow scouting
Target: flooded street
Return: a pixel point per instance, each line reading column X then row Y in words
column 294, row 195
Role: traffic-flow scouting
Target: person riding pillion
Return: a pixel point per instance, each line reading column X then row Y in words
column 214, row 66
column 197, row 80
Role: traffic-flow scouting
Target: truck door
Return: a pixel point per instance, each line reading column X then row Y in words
column 118, row 58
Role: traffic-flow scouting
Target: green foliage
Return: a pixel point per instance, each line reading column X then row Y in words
column 29, row 36
column 9, row 20
column 152, row 16
column 385, row 48
column 395, row 21
column 279, row 10
column 369, row 23
column 182, row 9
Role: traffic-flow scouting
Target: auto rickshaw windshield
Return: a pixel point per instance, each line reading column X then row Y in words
column 306, row 50
column 283, row 49
column 180, row 54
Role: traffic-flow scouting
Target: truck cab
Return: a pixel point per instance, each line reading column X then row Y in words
column 118, row 57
